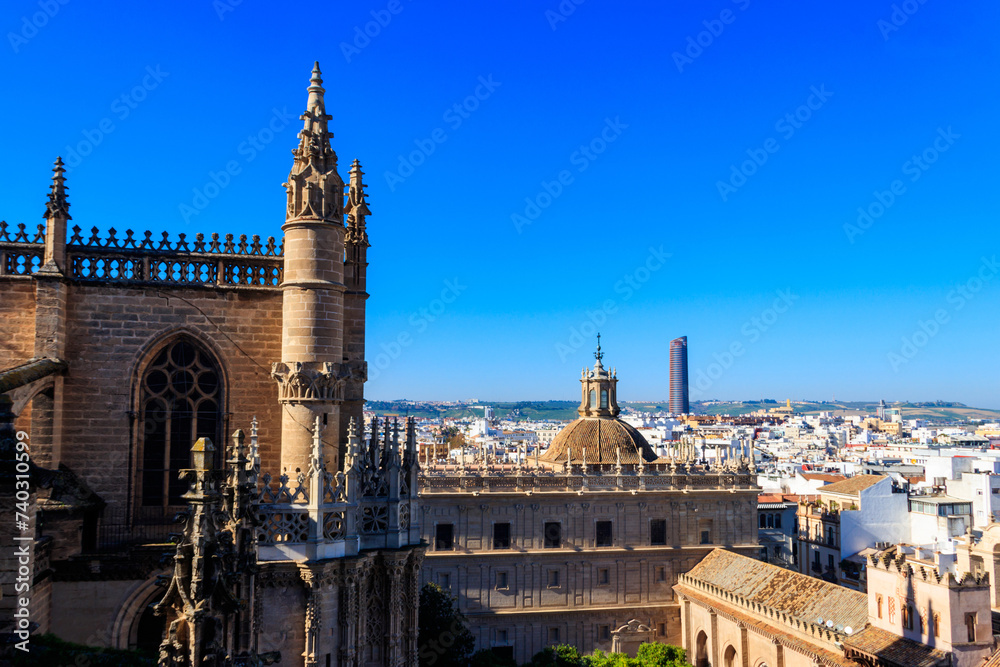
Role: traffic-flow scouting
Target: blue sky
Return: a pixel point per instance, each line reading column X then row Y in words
column 585, row 182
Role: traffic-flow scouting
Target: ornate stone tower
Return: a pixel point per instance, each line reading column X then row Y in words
column 600, row 389
column 312, row 374
column 355, row 279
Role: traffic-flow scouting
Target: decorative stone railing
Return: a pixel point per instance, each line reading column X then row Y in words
column 329, row 515
column 581, row 479
column 218, row 262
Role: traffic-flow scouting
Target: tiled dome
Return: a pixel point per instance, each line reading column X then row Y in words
column 602, row 438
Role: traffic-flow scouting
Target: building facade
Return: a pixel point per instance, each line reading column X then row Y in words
column 122, row 350
column 583, row 544
column 918, row 612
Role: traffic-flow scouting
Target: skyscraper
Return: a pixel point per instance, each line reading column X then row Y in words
column 679, row 376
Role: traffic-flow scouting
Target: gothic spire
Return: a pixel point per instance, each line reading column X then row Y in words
column 356, row 207
column 315, row 190
column 57, row 204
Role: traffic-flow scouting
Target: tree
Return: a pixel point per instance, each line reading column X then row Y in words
column 443, row 638
column 560, row 655
column 654, row 654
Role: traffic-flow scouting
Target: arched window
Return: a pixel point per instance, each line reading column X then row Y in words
column 593, row 398
column 763, row 520
column 770, row 521
column 604, row 398
column 729, row 657
column 180, row 400
column 701, row 650
column 777, row 521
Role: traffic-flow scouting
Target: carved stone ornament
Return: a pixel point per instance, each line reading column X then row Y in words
column 300, row 382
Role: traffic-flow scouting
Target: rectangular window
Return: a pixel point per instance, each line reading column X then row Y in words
column 705, row 526
column 603, row 633
column 970, row 626
column 603, row 576
column 829, row 561
column 553, row 635
column 662, row 629
column 661, row 574
column 553, row 578
column 553, row 535
column 603, row 536
column 444, row 580
column 501, row 636
column 501, row 536
column 502, row 581
column 878, row 605
column 444, row 536
column 658, row 532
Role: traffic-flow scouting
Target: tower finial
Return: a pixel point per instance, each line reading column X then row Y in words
column 314, row 188
column 57, row 204
column 598, row 355
column 356, row 206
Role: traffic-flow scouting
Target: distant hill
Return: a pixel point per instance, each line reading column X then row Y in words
column 566, row 410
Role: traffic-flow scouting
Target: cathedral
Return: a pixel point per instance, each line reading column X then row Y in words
column 584, row 544
column 202, row 397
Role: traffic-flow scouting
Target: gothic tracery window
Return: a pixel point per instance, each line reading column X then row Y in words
column 180, row 401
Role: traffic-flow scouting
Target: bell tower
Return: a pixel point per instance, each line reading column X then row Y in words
column 600, row 389
column 311, row 375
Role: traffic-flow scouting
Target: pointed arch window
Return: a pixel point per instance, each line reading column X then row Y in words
column 180, row 401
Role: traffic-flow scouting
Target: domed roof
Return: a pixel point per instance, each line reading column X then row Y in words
column 603, row 438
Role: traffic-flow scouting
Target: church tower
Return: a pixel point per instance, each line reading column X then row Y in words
column 600, row 389
column 312, row 374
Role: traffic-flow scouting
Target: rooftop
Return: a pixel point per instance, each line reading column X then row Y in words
column 853, row 485
column 805, row 598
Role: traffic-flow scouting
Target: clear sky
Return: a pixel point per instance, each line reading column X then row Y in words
column 650, row 170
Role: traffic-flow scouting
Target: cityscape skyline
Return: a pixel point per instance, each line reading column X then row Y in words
column 755, row 210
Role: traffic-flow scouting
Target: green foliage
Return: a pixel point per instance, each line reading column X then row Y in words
column 654, row 654
column 443, row 638
column 650, row 654
column 49, row 651
column 488, row 658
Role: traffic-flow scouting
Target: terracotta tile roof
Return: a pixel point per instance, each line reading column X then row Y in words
column 602, row 438
column 797, row 595
column 892, row 650
column 853, row 485
column 771, row 630
column 829, row 478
